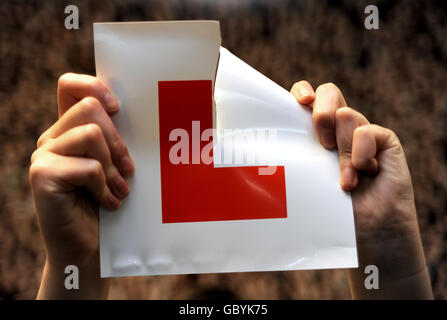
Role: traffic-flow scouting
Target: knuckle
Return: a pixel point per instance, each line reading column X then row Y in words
column 64, row 79
column 91, row 106
column 95, row 170
column 41, row 141
column 328, row 88
column 362, row 131
column 50, row 143
column 359, row 161
column 35, row 155
column 37, row 171
column 392, row 137
column 95, row 86
column 44, row 138
column 344, row 114
column 93, row 132
column 388, row 132
column 120, row 147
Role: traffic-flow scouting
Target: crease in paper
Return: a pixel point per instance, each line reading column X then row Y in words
column 319, row 230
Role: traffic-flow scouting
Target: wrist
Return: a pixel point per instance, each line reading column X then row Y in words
column 390, row 237
column 397, row 252
column 58, row 281
column 410, row 287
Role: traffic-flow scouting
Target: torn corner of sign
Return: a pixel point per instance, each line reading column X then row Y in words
column 229, row 174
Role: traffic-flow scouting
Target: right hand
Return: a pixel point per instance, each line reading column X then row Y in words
column 80, row 163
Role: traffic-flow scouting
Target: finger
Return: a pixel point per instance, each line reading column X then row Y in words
column 369, row 141
column 303, row 92
column 55, row 173
column 347, row 121
column 74, row 87
column 90, row 110
column 88, row 141
column 328, row 100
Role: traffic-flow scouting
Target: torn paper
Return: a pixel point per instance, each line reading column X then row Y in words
column 257, row 193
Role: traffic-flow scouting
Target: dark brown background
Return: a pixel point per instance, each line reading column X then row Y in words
column 396, row 76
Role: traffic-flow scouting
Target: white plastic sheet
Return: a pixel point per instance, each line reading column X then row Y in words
column 315, row 229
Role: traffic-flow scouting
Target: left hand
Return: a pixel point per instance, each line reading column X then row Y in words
column 373, row 167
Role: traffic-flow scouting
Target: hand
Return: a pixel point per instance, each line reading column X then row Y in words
column 80, row 163
column 373, row 167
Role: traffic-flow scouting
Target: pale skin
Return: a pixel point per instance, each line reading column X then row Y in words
column 81, row 162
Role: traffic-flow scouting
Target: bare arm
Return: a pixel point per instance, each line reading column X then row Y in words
column 80, row 163
column 373, row 168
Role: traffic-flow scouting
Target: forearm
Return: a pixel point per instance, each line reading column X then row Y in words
column 91, row 285
column 401, row 264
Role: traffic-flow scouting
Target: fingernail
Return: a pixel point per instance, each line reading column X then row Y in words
column 127, row 166
column 112, row 202
column 121, row 187
column 111, row 102
column 328, row 139
column 348, row 178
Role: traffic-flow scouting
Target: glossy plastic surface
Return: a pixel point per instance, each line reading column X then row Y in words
column 219, row 216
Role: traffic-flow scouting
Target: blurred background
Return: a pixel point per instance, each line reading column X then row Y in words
column 396, row 76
